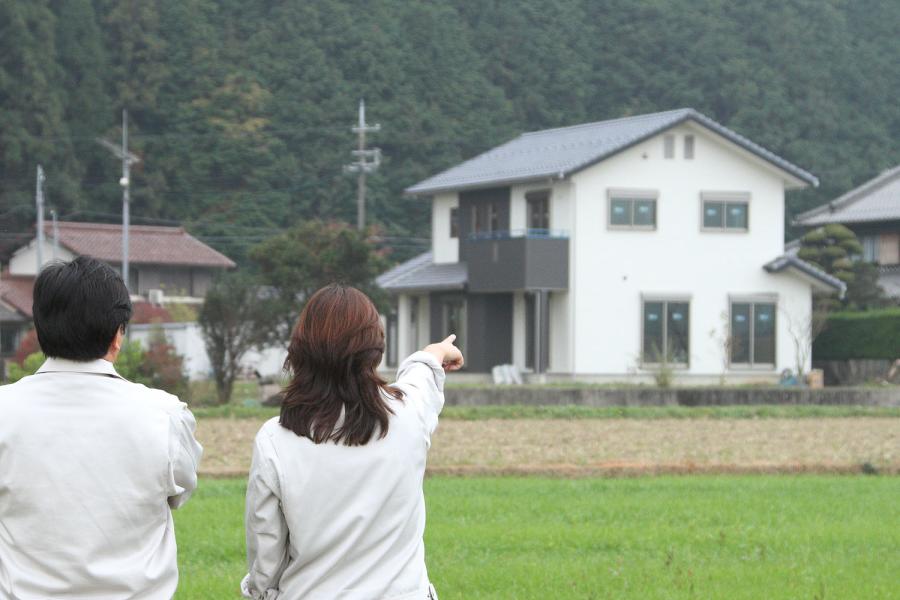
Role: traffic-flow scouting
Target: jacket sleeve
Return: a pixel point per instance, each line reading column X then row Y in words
column 267, row 531
column 421, row 378
column 184, row 455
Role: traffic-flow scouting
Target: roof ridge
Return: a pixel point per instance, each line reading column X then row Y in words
column 118, row 226
column 685, row 110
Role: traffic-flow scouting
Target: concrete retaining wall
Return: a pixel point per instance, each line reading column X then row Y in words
column 586, row 396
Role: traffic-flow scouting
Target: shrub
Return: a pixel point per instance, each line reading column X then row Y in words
column 29, row 366
column 856, row 335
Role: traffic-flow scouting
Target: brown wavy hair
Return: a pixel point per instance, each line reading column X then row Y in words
column 334, row 354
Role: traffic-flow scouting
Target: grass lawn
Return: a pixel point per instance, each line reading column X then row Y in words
column 688, row 537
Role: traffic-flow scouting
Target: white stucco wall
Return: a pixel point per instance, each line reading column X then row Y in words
column 610, row 269
column 24, row 260
column 187, row 339
column 445, row 248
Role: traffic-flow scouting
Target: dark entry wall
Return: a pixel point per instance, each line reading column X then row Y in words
column 498, row 196
column 488, row 339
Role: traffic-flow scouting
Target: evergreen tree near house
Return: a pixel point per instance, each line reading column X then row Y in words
column 836, row 250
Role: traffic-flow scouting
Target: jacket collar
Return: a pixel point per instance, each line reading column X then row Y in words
column 95, row 367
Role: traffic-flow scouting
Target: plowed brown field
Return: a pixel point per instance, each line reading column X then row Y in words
column 587, row 447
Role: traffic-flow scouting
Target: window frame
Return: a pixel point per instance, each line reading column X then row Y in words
column 665, row 299
column 541, row 195
column 690, row 146
column 454, row 222
column 726, row 199
column 447, row 303
column 753, row 300
column 632, row 195
column 669, row 146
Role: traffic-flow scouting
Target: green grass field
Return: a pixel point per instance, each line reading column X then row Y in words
column 757, row 537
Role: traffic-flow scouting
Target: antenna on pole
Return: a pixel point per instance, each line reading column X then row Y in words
column 127, row 160
column 39, row 199
column 367, row 160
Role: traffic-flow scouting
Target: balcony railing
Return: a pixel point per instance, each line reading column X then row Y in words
column 505, row 234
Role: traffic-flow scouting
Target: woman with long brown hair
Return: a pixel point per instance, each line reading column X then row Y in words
column 335, row 508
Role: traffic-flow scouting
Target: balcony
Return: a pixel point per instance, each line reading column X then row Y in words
column 506, row 261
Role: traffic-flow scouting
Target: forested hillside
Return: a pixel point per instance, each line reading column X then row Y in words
column 241, row 109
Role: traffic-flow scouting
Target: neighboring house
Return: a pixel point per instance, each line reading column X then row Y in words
column 159, row 258
column 872, row 211
column 166, row 264
column 602, row 251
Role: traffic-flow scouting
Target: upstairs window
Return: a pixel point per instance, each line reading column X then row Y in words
column 538, row 206
column 725, row 212
column 485, row 217
column 669, row 146
column 454, row 222
column 870, row 244
column 632, row 210
column 689, row 146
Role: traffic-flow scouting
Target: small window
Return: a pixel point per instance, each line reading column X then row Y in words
column 538, row 203
column 454, row 222
column 454, row 321
column 724, row 214
column 871, row 246
column 669, row 146
column 666, row 332
column 689, row 146
column 632, row 213
column 752, row 333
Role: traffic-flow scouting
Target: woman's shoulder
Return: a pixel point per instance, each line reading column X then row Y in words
column 269, row 429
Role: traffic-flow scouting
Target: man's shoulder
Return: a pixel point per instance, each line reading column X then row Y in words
column 152, row 397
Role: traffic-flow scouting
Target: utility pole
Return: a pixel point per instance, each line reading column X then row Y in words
column 55, row 234
column 367, row 160
column 39, row 199
column 127, row 159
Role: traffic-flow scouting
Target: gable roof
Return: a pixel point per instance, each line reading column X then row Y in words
column 146, row 245
column 421, row 273
column 567, row 150
column 876, row 200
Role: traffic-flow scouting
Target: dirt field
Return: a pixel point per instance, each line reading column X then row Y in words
column 620, row 447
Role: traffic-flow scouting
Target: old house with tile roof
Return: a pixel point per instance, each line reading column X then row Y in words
column 872, row 211
column 166, row 264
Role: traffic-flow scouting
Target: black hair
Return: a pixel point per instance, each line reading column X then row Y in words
column 78, row 308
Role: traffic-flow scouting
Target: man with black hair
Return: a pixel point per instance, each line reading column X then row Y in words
column 90, row 464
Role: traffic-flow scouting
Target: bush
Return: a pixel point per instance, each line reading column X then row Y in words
column 158, row 366
column 856, row 335
column 29, row 366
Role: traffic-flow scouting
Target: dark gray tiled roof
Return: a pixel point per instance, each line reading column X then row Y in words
column 786, row 261
column 876, row 200
column 421, row 273
column 564, row 151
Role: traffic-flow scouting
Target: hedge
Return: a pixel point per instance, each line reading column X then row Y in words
column 856, row 335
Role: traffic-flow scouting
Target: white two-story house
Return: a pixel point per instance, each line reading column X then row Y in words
column 609, row 250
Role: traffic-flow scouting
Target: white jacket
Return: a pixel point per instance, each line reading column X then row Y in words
column 335, row 522
column 90, row 465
